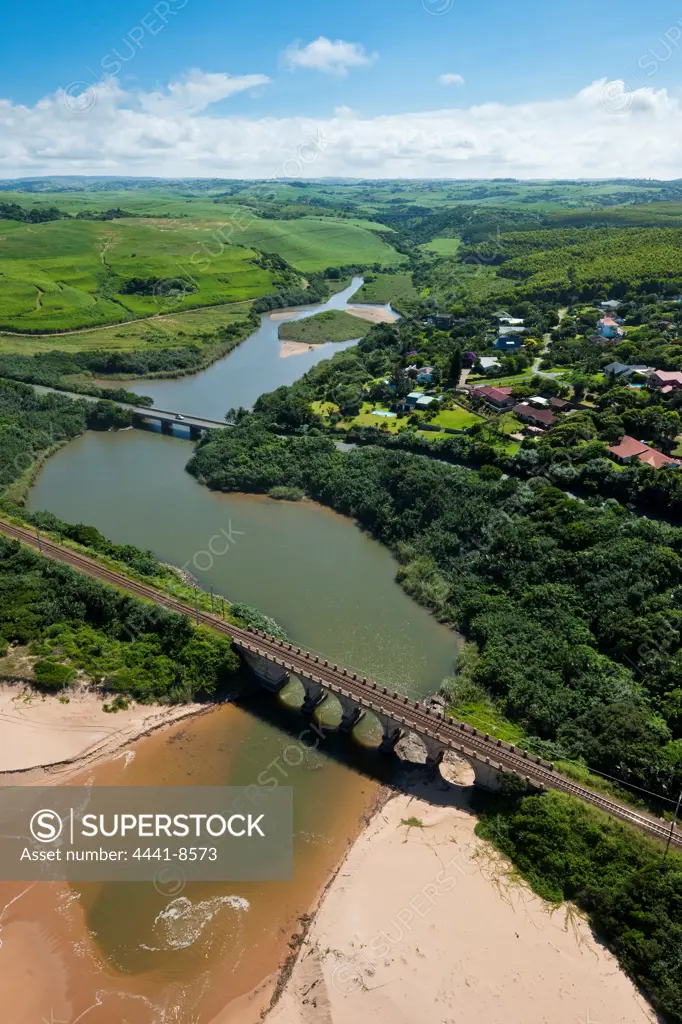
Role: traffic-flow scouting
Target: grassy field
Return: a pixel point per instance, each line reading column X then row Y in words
column 67, row 274
column 169, row 331
column 331, row 325
column 387, row 288
column 442, row 246
column 456, row 418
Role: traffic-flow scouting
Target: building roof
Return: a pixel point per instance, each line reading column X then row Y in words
column 426, row 399
column 414, row 395
column 541, row 415
column 512, row 321
column 624, row 370
column 669, row 376
column 492, row 393
column 488, row 361
column 510, row 330
column 657, row 459
column 559, row 403
column 610, row 304
column 539, row 400
column 628, row 448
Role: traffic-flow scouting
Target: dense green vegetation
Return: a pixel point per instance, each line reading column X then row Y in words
column 576, row 609
column 569, row 851
column 330, row 325
column 73, row 623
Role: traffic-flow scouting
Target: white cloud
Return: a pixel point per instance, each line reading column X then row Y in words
column 196, row 91
column 451, row 80
column 605, row 130
column 334, row 58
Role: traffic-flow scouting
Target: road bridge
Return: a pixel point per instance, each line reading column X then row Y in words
column 143, row 415
column 273, row 660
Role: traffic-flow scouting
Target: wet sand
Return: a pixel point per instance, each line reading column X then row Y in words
column 427, row 923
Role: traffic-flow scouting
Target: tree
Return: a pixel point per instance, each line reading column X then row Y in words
column 455, row 370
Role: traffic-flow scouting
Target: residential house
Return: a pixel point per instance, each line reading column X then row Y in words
column 608, row 328
column 629, row 449
column 623, row 370
column 425, row 375
column 610, row 304
column 511, row 321
column 541, row 418
column 559, row 404
column 488, row 362
column 666, row 379
column 508, row 344
column 411, row 400
column 442, row 321
column 425, row 401
column 501, row 398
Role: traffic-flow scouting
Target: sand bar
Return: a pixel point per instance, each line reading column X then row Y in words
column 375, row 314
column 426, row 924
column 290, row 315
column 294, row 348
column 37, row 730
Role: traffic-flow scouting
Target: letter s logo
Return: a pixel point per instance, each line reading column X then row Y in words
column 46, row 826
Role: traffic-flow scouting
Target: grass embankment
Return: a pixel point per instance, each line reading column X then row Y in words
column 331, row 325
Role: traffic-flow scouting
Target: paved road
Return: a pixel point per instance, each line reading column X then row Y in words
column 409, row 714
column 163, row 415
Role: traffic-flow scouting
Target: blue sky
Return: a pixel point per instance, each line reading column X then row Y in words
column 508, row 52
column 397, row 87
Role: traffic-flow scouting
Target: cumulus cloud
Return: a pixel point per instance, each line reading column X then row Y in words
column 334, row 58
column 605, row 130
column 196, row 91
column 451, row 80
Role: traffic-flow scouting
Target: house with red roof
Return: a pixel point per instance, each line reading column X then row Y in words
column 542, row 418
column 666, row 379
column 629, row 449
column 609, row 328
column 499, row 397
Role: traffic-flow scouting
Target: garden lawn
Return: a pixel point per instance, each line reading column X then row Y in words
column 456, row 418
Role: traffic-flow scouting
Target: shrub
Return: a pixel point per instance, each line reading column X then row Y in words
column 51, row 675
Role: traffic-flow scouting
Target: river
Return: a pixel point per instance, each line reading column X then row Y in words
column 252, row 369
column 146, row 956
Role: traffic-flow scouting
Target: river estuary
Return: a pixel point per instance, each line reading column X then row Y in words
column 145, row 954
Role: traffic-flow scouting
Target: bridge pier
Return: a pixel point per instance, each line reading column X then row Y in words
column 314, row 695
column 435, row 751
column 486, row 775
column 273, row 677
column 195, row 433
column 352, row 712
column 167, row 427
column 391, row 736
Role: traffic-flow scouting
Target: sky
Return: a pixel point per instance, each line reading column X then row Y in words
column 378, row 89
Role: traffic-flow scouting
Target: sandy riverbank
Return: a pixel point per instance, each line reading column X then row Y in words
column 427, row 924
column 288, row 315
column 38, row 733
column 375, row 314
column 293, row 348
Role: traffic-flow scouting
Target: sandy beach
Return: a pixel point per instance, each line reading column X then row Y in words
column 38, row 731
column 375, row 314
column 293, row 348
column 426, row 923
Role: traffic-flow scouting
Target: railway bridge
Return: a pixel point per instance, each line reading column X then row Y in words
column 273, row 660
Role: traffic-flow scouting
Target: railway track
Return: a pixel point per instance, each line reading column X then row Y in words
column 409, row 714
